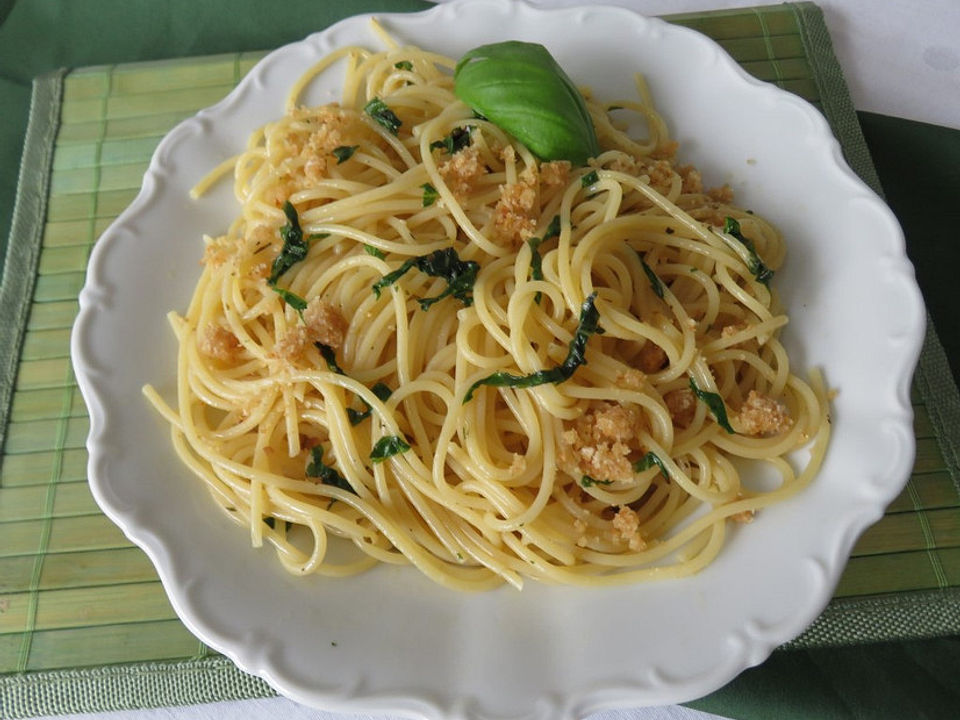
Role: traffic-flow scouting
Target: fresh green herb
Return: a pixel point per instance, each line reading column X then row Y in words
column 430, row 194
column 403, row 65
column 388, row 446
column 656, row 284
column 457, row 140
column 376, row 252
column 715, row 404
column 328, row 474
column 521, row 88
column 587, row 481
column 460, row 275
column 344, row 153
column 587, row 326
column 380, row 390
column 291, row 299
column 378, row 110
column 270, row 522
column 294, row 247
column 536, row 262
column 358, row 416
column 591, row 178
column 755, row 265
column 648, row 461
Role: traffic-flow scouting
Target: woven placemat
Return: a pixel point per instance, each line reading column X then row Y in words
column 84, row 621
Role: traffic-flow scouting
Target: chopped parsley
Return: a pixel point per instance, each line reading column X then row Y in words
column 430, row 194
column 656, row 284
column 380, row 390
column 650, row 460
column 376, row 252
column 388, row 446
column 457, row 140
column 460, row 275
column 344, row 153
column 291, row 299
column 327, row 473
column 294, row 246
column 587, row 326
column 715, row 404
column 755, row 265
column 378, row 110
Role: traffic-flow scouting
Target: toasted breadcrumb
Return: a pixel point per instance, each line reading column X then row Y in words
column 692, row 181
column 291, row 344
column 631, row 379
column 682, row 405
column 218, row 342
column 462, row 171
column 513, row 218
column 600, row 440
column 762, row 415
column 624, row 163
column 627, row 523
column 722, row 194
column 216, row 253
column 661, row 174
column 324, row 323
column 652, row 358
column 555, row 173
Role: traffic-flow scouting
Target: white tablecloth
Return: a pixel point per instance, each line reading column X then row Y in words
column 897, row 60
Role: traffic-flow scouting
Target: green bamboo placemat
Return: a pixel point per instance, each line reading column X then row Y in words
column 78, row 601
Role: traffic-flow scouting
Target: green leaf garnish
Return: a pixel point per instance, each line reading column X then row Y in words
column 430, row 194
column 656, row 284
column 587, row 481
column 457, row 140
column 344, row 153
column 294, row 247
column 403, row 65
column 378, row 110
column 380, row 390
column 291, row 299
column 587, row 326
column 715, row 404
column 388, row 446
column 376, row 252
column 650, row 460
column 328, row 475
column 460, row 275
column 536, row 262
column 591, row 178
column 755, row 265
column 520, row 87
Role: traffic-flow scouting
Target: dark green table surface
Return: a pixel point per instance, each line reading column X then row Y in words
column 918, row 164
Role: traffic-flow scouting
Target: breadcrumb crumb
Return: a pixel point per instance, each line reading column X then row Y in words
column 627, row 523
column 601, row 439
column 513, row 218
column 762, row 415
column 325, row 323
column 462, row 171
column 218, row 342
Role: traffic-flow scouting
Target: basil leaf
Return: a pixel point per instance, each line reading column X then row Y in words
column 294, row 247
column 656, row 284
column 430, row 194
column 388, row 446
column 715, row 404
column 327, row 353
column 553, row 229
column 376, row 252
column 589, row 179
column 755, row 265
column 344, row 153
column 587, row 481
column 587, row 326
column 328, row 475
column 291, row 299
column 520, row 87
column 457, row 140
column 536, row 262
column 403, row 65
column 378, row 110
column 648, row 461
column 460, row 275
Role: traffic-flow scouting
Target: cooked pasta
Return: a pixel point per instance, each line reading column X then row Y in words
column 420, row 344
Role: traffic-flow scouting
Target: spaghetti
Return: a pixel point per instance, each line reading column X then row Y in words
column 420, row 344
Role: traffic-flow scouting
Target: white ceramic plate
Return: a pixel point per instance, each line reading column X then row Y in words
column 390, row 640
